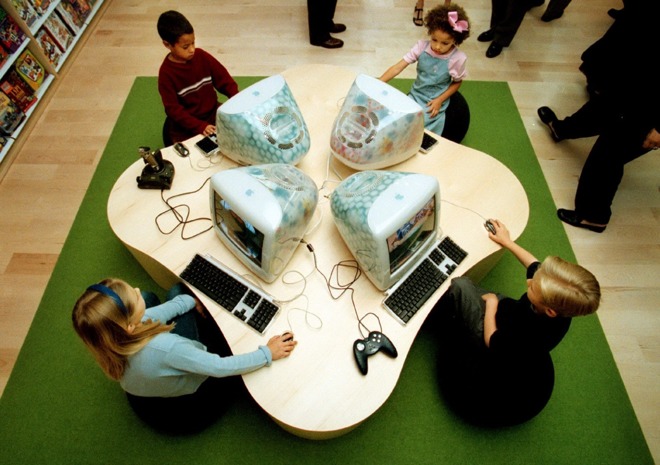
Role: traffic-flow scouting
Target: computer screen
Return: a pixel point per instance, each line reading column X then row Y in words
column 407, row 239
column 261, row 213
column 239, row 231
column 387, row 220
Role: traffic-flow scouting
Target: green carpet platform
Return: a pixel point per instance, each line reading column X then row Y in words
column 59, row 408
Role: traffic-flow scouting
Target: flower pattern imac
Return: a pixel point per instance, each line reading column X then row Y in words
column 378, row 126
column 263, row 124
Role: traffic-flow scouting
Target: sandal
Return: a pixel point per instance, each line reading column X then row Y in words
column 418, row 18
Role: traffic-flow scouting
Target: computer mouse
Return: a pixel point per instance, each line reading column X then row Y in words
column 287, row 336
column 489, row 226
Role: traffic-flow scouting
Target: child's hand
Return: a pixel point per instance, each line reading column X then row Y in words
column 209, row 130
column 280, row 347
column 501, row 235
column 433, row 107
column 199, row 307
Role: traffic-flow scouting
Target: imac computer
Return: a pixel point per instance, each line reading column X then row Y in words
column 262, row 124
column 388, row 219
column 261, row 213
column 378, row 126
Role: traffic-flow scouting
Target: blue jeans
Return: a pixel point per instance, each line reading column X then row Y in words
column 186, row 324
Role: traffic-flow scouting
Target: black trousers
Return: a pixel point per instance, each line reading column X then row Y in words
column 620, row 139
column 319, row 17
column 506, row 17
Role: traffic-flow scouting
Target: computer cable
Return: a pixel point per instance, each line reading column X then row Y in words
column 343, row 288
column 181, row 214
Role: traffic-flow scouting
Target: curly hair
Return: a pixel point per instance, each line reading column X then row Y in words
column 438, row 18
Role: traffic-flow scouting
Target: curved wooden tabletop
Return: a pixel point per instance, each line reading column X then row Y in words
column 318, row 392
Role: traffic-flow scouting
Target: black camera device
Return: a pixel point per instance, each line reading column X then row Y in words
column 158, row 173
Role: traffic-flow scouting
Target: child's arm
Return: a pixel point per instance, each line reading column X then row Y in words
column 433, row 107
column 503, row 238
column 489, row 317
column 394, row 71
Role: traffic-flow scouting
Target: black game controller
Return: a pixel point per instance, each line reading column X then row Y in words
column 363, row 348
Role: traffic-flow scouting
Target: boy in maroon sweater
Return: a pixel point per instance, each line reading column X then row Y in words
column 188, row 80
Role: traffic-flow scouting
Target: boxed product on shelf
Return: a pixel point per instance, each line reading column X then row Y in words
column 62, row 35
column 29, row 68
column 3, row 56
column 82, row 7
column 11, row 35
column 10, row 115
column 50, row 47
column 25, row 11
column 70, row 17
column 41, row 6
column 17, row 90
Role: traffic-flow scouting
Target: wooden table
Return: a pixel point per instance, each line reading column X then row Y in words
column 318, row 392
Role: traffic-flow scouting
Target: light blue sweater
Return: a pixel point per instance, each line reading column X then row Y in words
column 171, row 365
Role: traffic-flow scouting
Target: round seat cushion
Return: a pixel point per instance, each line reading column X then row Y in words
column 457, row 118
column 490, row 389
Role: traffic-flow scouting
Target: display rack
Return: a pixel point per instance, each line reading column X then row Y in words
column 30, row 43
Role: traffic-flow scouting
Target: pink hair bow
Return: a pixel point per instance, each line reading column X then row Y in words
column 458, row 26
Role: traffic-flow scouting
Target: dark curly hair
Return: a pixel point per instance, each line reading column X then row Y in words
column 438, row 18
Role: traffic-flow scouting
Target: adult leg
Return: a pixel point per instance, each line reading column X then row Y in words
column 588, row 121
column 319, row 18
column 554, row 10
column 602, row 172
column 506, row 19
column 418, row 14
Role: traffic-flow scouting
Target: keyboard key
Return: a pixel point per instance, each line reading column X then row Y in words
column 248, row 305
column 413, row 292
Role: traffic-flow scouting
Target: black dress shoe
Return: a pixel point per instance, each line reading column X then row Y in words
column 486, row 36
column 571, row 217
column 549, row 118
column 494, row 49
column 614, row 13
column 337, row 28
column 330, row 43
column 550, row 15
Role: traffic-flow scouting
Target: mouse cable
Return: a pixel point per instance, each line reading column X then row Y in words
column 342, row 288
column 182, row 218
column 464, row 208
column 301, row 294
column 210, row 161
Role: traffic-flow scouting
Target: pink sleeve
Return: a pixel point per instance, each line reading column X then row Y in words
column 457, row 69
column 414, row 53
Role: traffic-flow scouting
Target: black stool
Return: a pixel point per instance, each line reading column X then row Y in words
column 457, row 118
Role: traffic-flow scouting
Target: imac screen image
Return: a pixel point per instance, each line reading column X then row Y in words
column 242, row 233
column 261, row 213
column 403, row 244
column 387, row 219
